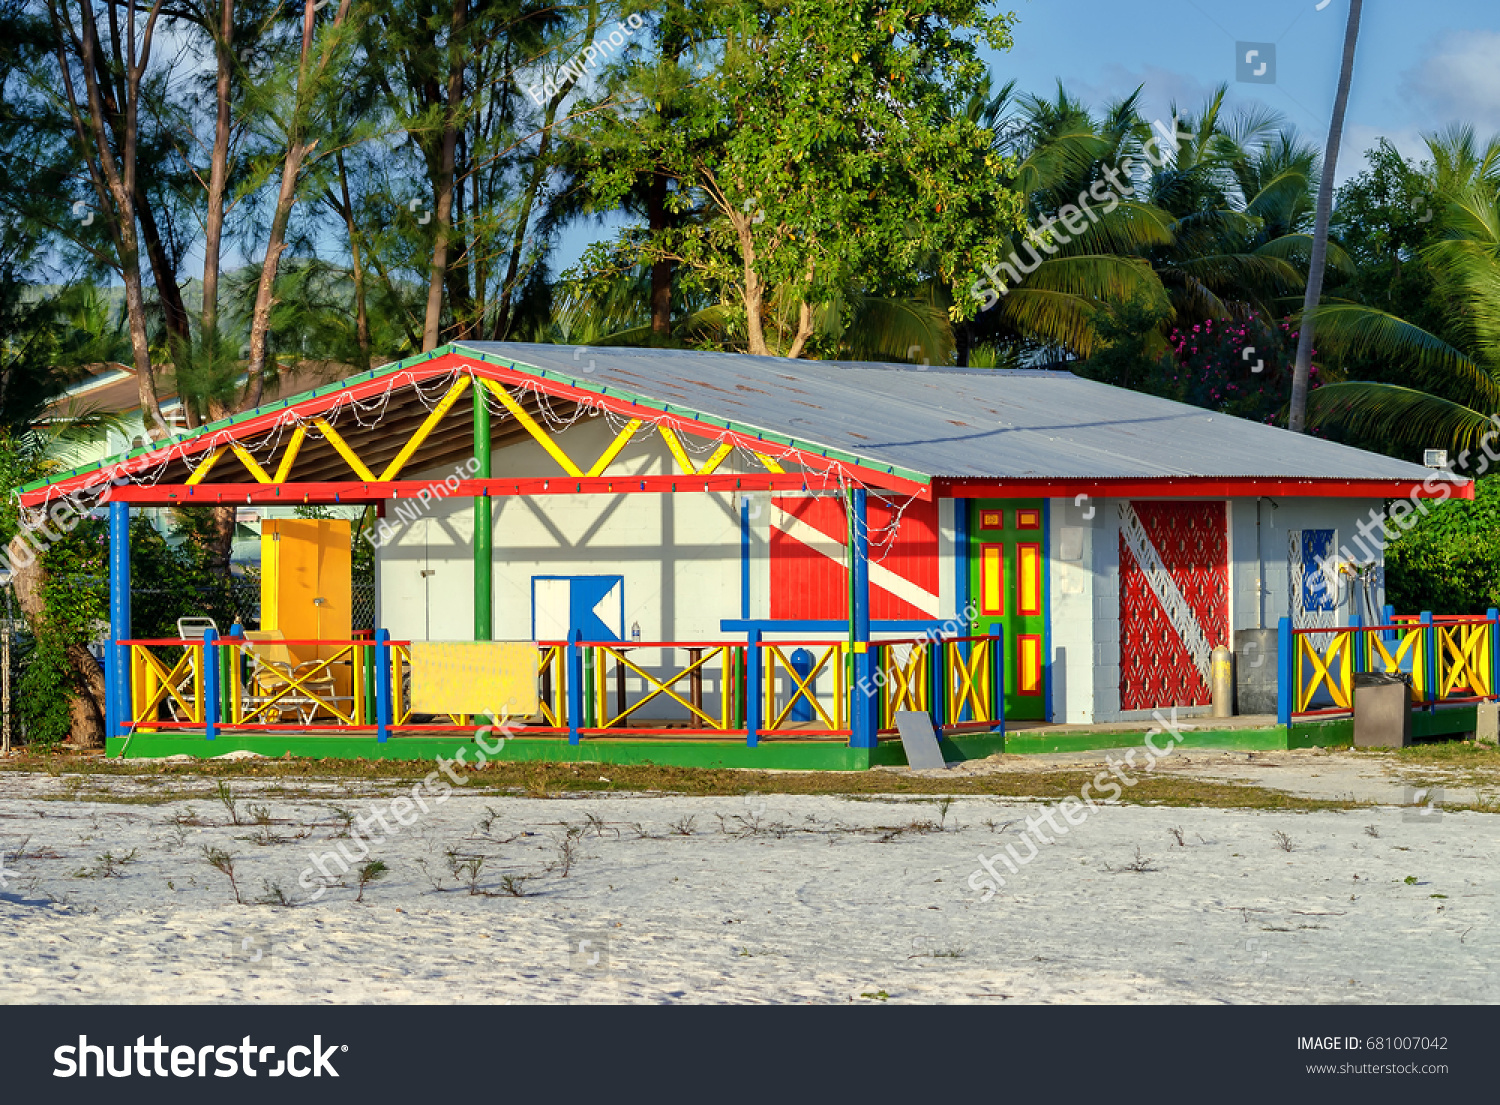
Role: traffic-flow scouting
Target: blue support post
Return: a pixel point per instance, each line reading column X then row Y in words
column 234, row 669
column 1285, row 661
column 575, row 684
column 864, row 718
column 754, row 688
column 961, row 592
column 1388, row 617
column 383, row 712
column 997, row 674
column 745, row 557
column 209, row 658
column 1429, row 658
column 1494, row 616
column 119, row 618
column 1357, row 644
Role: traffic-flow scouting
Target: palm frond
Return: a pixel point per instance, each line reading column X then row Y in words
column 1400, row 414
column 1356, row 330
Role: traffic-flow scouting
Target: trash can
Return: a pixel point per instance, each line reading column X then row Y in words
column 1382, row 709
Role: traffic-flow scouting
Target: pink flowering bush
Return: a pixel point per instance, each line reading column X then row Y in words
column 1241, row 367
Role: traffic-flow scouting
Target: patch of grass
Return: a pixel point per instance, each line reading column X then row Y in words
column 1139, row 866
column 368, row 873
column 543, row 780
column 222, row 862
column 225, row 794
column 107, row 865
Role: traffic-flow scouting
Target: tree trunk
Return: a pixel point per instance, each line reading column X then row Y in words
column 86, row 699
column 528, row 200
column 1297, row 421
column 658, row 221
column 179, row 333
column 754, row 290
column 297, row 152
column 115, row 182
column 265, row 289
column 438, row 274
column 218, row 179
column 356, row 266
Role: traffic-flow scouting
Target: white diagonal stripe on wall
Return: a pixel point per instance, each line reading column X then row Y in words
column 880, row 576
column 1179, row 614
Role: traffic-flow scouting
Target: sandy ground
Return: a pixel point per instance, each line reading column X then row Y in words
column 766, row 899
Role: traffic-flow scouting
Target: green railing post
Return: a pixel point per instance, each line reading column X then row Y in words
column 754, row 674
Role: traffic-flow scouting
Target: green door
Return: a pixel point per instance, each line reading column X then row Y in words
column 1008, row 586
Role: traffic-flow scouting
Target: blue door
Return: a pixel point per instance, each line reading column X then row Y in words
column 595, row 605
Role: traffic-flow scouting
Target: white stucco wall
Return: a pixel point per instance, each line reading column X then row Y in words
column 679, row 554
column 1258, row 558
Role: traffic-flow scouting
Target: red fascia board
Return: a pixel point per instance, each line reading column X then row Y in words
column 442, row 366
column 358, row 492
column 1186, row 487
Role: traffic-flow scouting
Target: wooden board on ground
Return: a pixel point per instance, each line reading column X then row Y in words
column 919, row 739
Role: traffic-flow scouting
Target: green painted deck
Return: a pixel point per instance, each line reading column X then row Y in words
column 1235, row 734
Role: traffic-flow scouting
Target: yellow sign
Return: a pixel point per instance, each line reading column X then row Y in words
column 496, row 678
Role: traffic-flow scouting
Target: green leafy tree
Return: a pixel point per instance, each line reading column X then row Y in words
column 1446, row 384
column 1449, row 561
column 820, row 157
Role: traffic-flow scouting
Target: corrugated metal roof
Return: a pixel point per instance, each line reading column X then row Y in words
column 962, row 423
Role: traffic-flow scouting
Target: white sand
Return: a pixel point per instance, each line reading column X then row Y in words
column 823, row 903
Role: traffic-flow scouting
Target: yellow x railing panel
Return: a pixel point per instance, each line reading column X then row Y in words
column 662, row 686
column 803, row 689
column 1332, row 668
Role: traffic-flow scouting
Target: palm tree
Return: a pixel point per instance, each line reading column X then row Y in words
column 1463, row 378
column 1298, row 418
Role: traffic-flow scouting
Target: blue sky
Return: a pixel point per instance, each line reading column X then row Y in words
column 1419, row 66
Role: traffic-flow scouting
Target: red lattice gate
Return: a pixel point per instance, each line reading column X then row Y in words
column 1174, row 601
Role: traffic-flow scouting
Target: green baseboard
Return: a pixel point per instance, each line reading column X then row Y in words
column 772, row 755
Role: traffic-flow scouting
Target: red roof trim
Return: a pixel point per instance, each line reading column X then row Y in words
column 439, row 367
column 1438, row 486
column 356, row 492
